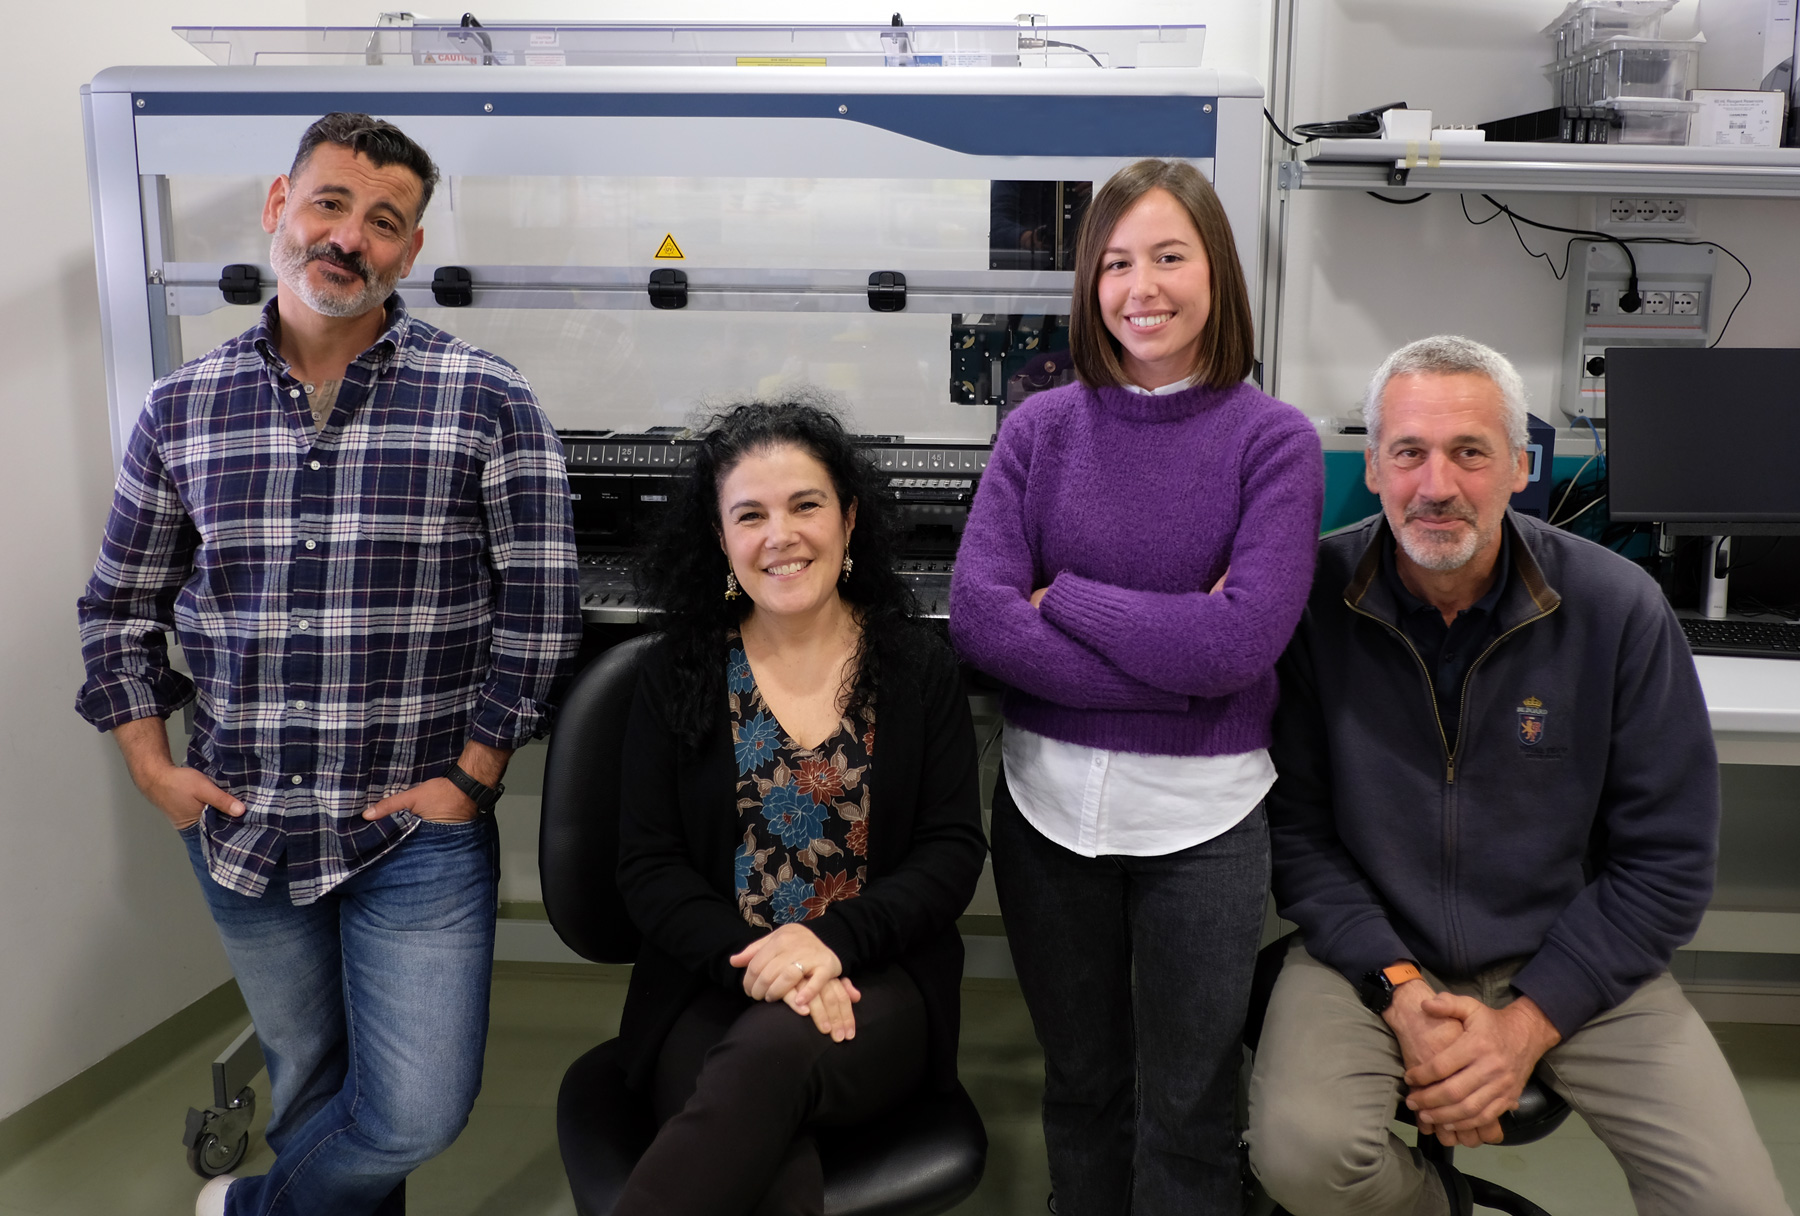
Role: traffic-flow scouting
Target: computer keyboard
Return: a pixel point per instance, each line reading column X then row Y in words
column 1751, row 639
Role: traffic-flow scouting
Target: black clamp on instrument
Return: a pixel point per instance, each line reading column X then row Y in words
column 887, row 291
column 241, row 284
column 453, row 287
column 668, row 288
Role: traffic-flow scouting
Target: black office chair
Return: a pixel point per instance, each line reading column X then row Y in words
column 1541, row 1110
column 924, row 1157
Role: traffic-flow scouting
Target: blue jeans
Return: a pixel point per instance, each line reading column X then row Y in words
column 372, row 1008
column 1136, row 972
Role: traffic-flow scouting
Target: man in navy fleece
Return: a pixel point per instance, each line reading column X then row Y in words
column 1495, row 821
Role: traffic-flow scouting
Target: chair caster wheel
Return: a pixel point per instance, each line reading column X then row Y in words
column 217, row 1138
column 209, row 1157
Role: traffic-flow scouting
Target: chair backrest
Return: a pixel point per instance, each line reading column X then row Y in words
column 578, row 836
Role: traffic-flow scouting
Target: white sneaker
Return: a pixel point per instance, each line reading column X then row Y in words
column 212, row 1196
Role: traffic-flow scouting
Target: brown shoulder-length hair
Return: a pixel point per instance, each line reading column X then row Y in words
column 1227, row 348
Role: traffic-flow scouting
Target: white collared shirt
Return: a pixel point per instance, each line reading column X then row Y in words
column 1164, row 391
column 1097, row 802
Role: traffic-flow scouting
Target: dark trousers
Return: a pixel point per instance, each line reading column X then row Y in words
column 738, row 1083
column 1136, row 971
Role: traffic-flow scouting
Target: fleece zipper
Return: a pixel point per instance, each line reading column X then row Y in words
column 1451, row 755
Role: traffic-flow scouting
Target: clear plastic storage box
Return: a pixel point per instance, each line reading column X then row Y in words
column 1625, row 67
column 1589, row 21
column 1651, row 120
column 1641, row 67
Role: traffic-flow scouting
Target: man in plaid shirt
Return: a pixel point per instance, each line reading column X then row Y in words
column 358, row 528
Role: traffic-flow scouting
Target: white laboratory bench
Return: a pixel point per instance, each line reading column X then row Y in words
column 1754, row 705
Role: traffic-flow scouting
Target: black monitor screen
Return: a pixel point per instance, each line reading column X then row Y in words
column 1704, row 436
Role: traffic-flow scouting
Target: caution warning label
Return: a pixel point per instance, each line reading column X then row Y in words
column 669, row 249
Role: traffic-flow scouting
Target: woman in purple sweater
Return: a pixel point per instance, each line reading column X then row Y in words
column 1137, row 556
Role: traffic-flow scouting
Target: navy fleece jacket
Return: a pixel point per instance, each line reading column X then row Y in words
column 1575, row 825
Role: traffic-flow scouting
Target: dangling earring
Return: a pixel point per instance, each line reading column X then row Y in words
column 848, row 563
column 731, row 585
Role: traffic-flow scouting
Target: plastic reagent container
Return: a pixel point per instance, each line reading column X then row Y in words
column 1586, row 22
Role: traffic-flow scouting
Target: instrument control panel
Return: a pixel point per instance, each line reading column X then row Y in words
column 619, row 482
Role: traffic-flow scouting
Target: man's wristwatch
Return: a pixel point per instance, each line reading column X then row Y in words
column 483, row 796
column 1377, row 987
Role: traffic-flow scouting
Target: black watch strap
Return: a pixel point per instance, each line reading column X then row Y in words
column 483, row 796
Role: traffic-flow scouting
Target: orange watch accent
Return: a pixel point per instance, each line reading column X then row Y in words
column 1377, row 987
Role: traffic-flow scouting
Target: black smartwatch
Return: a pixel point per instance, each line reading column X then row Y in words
column 483, row 796
column 1377, row 987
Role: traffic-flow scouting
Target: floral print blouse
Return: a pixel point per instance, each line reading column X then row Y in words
column 805, row 812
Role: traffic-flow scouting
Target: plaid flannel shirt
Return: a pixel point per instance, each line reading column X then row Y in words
column 355, row 603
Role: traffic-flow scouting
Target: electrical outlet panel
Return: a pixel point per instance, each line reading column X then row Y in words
column 1602, row 303
column 1674, row 292
column 1645, row 215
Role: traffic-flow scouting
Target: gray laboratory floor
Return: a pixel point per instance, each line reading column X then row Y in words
column 126, row 1159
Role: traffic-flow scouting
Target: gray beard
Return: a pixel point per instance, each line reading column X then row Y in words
column 1443, row 557
column 289, row 261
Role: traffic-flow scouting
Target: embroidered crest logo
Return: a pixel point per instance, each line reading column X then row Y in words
column 1531, row 722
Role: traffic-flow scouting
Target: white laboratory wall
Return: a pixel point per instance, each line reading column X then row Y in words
column 102, row 931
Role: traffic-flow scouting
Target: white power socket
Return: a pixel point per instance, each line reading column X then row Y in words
column 1651, row 215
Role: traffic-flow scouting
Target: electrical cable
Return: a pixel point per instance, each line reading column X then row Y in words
column 1747, row 562
column 1520, row 237
column 1294, row 143
column 1363, row 125
column 1631, row 301
column 1071, row 46
column 1750, row 605
column 1276, row 127
column 1599, row 443
column 1749, row 279
column 1624, row 243
column 1563, row 501
column 1565, row 523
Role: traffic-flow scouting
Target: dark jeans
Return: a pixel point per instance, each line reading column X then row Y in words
column 1136, row 971
column 738, row 1083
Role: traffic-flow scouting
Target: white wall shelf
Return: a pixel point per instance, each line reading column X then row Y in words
column 1365, row 164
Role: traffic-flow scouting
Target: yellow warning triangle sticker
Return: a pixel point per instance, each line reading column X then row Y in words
column 669, row 249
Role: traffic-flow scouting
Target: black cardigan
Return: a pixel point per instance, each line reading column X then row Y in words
column 679, row 830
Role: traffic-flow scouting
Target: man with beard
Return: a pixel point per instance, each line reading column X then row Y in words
column 358, row 528
column 1494, row 822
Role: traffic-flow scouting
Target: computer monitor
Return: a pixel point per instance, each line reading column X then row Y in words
column 1706, row 442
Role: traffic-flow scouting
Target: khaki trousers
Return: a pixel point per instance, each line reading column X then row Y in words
column 1646, row 1075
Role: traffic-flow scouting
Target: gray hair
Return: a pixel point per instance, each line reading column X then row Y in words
column 1449, row 355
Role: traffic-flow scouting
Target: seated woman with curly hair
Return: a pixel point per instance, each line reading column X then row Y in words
column 801, row 823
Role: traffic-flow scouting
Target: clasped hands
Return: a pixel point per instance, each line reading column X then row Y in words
column 1466, row 1063
column 792, row 965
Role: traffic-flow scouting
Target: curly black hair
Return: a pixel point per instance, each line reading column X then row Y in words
column 683, row 574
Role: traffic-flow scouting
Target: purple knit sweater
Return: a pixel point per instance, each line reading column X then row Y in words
column 1130, row 507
